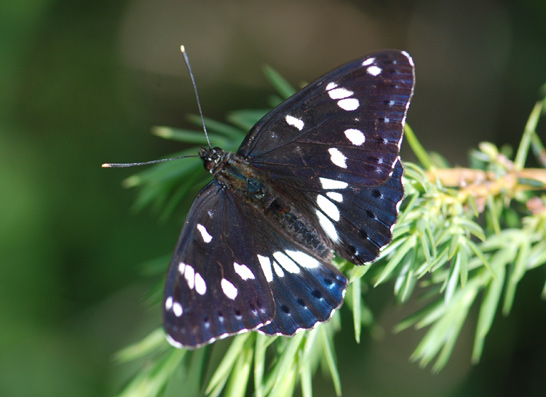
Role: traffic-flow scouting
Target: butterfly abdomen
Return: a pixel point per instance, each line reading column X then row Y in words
column 294, row 225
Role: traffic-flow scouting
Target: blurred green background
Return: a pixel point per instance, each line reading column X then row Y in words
column 83, row 82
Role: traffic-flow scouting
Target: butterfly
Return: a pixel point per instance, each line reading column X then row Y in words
column 319, row 174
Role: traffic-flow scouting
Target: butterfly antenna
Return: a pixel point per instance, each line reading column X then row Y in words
column 187, row 60
column 126, row 165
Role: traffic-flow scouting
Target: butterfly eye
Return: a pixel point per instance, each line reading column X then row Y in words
column 212, row 158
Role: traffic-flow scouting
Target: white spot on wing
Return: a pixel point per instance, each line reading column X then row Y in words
column 278, row 269
column 340, row 93
column 177, row 309
column 410, row 59
column 243, row 271
column 327, row 226
column 169, row 303
column 200, row 285
column 172, row 342
column 207, row 238
column 295, row 122
column 303, row 259
column 189, row 275
column 229, row 289
column 181, row 267
column 265, row 263
column 368, row 62
column 329, row 208
column 356, row 137
column 374, row 70
column 288, row 264
column 348, row 104
column 331, row 184
column 337, row 157
column 335, row 196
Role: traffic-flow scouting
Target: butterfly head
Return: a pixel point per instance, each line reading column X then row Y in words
column 212, row 157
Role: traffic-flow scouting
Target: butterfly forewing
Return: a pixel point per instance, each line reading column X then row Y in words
column 319, row 174
column 350, row 121
column 215, row 285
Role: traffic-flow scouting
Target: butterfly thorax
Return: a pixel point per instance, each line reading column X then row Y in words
column 238, row 176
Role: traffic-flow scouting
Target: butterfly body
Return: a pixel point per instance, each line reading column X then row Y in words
column 237, row 175
column 318, row 175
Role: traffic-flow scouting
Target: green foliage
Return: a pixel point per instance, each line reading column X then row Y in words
column 464, row 240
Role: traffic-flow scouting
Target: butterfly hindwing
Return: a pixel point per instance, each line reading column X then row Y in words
column 306, row 287
column 367, row 216
column 303, row 299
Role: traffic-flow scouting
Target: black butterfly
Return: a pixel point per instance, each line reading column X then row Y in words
column 319, row 174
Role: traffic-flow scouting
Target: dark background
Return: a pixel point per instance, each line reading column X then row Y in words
column 83, row 82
